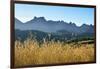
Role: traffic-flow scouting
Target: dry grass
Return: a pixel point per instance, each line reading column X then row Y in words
column 30, row 53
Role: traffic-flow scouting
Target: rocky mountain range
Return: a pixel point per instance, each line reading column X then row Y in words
column 41, row 24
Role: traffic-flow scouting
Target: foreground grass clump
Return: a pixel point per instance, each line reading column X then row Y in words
column 30, row 52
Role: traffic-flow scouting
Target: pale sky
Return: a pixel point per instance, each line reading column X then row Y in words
column 78, row 15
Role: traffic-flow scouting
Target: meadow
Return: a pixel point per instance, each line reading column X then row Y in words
column 30, row 52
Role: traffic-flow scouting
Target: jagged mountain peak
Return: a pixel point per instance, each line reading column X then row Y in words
column 71, row 23
column 40, row 23
column 84, row 25
column 39, row 18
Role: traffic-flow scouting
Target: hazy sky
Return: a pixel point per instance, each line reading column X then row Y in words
column 26, row 12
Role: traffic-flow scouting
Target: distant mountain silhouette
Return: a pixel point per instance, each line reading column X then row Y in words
column 18, row 24
column 41, row 24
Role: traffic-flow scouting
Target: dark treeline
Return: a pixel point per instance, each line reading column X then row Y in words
column 58, row 36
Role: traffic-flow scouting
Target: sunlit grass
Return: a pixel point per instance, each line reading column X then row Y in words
column 30, row 52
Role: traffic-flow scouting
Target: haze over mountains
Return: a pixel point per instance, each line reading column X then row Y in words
column 41, row 24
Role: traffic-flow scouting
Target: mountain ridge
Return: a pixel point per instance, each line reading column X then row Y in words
column 40, row 23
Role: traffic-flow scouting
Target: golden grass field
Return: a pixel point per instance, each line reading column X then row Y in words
column 49, row 52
